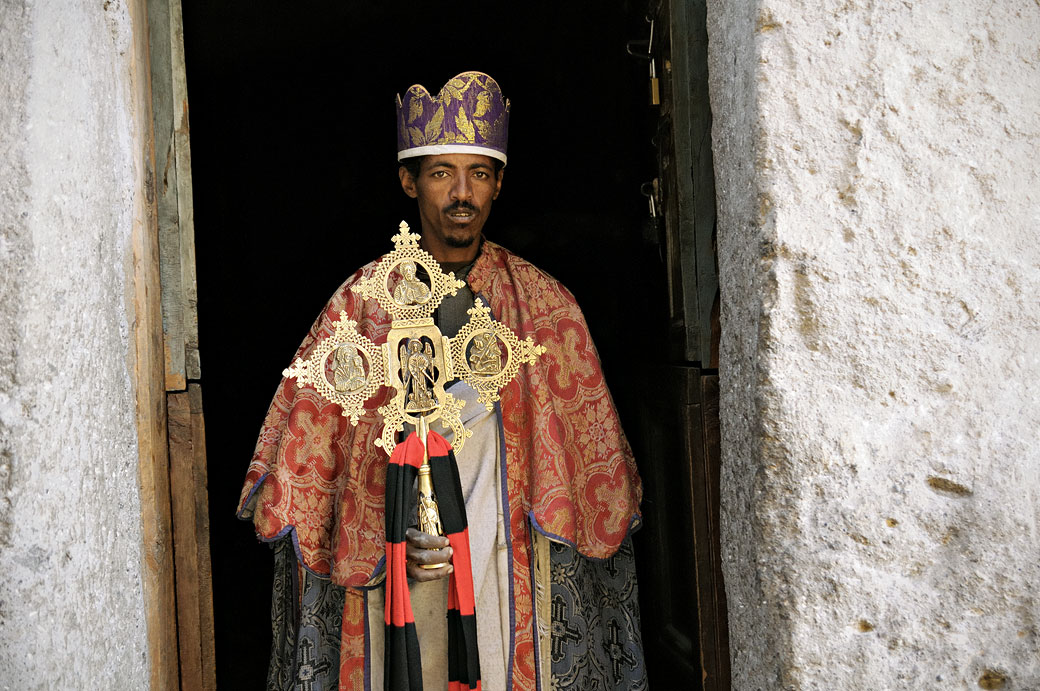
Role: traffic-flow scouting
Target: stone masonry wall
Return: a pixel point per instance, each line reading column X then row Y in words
column 71, row 608
column 878, row 194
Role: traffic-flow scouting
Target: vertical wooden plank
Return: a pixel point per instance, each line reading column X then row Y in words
column 665, row 549
column 712, row 466
column 669, row 163
column 702, row 175
column 174, row 200
column 700, row 529
column 687, row 175
column 711, row 597
column 679, row 179
column 685, row 631
column 205, row 569
column 163, row 108
column 157, row 553
column 191, row 539
column 177, row 296
column 185, row 207
column 182, row 465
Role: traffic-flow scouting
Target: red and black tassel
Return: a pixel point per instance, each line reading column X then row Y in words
column 403, row 666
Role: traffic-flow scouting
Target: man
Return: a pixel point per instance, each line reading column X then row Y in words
column 550, row 488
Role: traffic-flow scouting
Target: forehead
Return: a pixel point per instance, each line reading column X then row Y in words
column 457, row 162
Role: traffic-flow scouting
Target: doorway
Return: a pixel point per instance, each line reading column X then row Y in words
column 295, row 177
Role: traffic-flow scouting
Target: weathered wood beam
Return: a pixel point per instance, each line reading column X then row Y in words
column 157, row 554
column 174, row 194
column 205, row 568
column 191, row 539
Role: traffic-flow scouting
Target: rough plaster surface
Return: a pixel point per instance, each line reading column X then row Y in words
column 71, row 608
column 878, row 199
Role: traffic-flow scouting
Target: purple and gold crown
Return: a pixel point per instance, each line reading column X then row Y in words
column 469, row 115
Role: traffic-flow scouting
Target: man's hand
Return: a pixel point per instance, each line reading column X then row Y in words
column 424, row 548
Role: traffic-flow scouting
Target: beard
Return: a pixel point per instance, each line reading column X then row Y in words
column 464, row 238
column 460, row 242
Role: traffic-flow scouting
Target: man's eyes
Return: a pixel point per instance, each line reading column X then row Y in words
column 479, row 174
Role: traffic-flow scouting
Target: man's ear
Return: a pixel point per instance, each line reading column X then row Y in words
column 498, row 183
column 407, row 182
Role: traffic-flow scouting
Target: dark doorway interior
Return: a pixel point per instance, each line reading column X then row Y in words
column 295, row 186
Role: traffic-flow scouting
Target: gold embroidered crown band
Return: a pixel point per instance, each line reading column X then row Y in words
column 468, row 115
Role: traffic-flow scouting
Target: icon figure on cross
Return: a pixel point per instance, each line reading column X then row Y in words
column 349, row 374
column 410, row 290
column 417, row 375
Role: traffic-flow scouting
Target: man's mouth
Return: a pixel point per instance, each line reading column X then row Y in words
column 461, row 214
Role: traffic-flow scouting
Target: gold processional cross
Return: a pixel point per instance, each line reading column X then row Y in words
column 417, row 360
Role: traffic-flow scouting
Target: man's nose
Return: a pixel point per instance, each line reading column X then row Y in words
column 462, row 190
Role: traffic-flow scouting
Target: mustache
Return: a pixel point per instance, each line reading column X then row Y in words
column 460, row 206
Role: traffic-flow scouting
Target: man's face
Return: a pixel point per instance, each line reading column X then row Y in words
column 454, row 192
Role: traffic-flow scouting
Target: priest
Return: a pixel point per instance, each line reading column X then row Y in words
column 549, row 492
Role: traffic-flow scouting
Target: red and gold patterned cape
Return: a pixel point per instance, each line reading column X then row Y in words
column 570, row 471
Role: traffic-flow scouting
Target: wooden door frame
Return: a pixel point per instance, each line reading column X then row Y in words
column 685, row 193
column 172, row 465
column 175, row 575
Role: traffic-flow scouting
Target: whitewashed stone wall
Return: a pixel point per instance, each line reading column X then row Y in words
column 879, row 202
column 71, row 608
column 880, row 264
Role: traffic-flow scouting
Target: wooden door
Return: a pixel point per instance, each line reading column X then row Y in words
column 683, row 596
column 184, row 498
